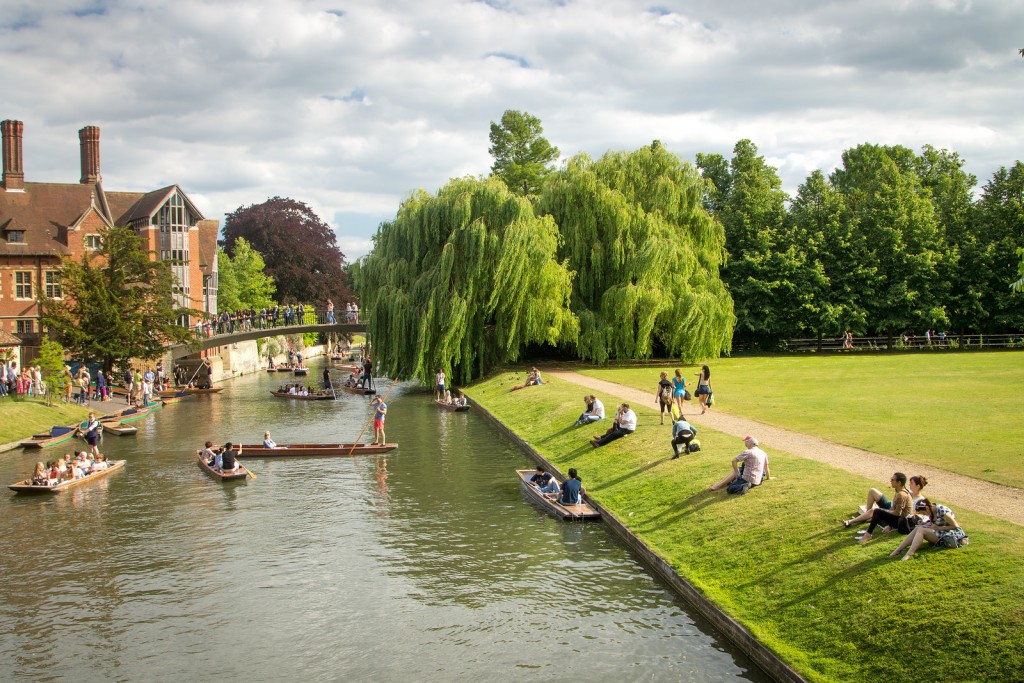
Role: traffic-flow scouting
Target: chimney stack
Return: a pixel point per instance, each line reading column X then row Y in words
column 14, row 174
column 89, row 138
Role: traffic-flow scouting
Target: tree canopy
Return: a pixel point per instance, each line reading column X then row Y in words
column 300, row 250
column 116, row 304
column 463, row 280
column 646, row 255
column 522, row 155
column 242, row 282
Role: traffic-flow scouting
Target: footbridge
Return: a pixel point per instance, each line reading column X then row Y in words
column 208, row 339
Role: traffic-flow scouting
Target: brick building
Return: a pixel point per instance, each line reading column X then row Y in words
column 40, row 223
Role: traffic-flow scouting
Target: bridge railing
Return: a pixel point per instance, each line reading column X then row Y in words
column 247, row 322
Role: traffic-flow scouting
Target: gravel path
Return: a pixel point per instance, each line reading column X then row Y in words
column 956, row 490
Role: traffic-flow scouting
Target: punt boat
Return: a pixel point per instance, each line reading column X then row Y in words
column 239, row 475
column 118, row 428
column 27, row 486
column 313, row 449
column 357, row 390
column 318, row 396
column 581, row 511
column 55, row 436
column 453, row 407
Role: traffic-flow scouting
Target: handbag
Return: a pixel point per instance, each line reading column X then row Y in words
column 686, row 395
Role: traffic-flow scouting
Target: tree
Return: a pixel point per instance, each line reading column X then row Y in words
column 999, row 224
column 51, row 362
column 646, row 255
column 117, row 304
column 521, row 153
column 464, row 280
column 300, row 251
column 242, row 282
column 895, row 214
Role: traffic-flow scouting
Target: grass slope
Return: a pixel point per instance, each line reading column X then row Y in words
column 778, row 559
column 958, row 411
column 21, row 418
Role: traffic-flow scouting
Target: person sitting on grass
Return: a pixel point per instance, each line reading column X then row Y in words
column 625, row 423
column 941, row 530
column 749, row 468
column 900, row 516
column 878, row 500
column 532, row 378
column 593, row 413
column 572, row 489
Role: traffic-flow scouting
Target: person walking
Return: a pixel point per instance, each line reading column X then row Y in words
column 663, row 396
column 704, row 388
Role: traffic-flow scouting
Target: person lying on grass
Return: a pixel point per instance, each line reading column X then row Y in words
column 941, row 530
column 749, row 468
column 877, row 499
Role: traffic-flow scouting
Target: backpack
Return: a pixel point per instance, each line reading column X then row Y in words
column 739, row 486
column 666, row 394
column 694, row 446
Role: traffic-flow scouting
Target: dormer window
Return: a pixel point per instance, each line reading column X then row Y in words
column 15, row 235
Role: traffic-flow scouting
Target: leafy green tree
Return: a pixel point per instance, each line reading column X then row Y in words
column 646, row 254
column 118, row 303
column 51, row 362
column 895, row 214
column 299, row 249
column 522, row 155
column 715, row 169
column 999, row 214
column 1018, row 286
column 242, row 282
column 463, row 280
column 835, row 249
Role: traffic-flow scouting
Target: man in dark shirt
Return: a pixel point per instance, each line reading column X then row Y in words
column 228, row 462
column 367, row 371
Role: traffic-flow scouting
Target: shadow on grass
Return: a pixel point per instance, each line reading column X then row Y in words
column 828, row 584
column 695, row 503
column 555, row 435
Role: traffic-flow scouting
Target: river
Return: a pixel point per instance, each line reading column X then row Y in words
column 424, row 565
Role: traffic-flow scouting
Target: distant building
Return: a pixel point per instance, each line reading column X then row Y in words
column 42, row 222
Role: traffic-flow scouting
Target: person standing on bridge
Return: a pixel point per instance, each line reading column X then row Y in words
column 330, row 312
column 300, row 314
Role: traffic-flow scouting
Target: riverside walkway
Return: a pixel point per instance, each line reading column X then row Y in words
column 996, row 500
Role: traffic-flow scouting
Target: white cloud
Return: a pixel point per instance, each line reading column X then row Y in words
column 350, row 106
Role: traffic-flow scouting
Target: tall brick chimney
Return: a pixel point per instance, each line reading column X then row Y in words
column 89, row 138
column 14, row 174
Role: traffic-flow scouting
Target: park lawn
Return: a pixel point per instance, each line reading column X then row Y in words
column 778, row 559
column 962, row 412
column 23, row 417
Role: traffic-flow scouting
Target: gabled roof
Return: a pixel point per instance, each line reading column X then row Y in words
column 8, row 339
column 147, row 204
column 43, row 211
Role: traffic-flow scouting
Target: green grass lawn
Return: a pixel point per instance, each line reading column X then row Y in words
column 962, row 412
column 21, row 418
column 778, row 559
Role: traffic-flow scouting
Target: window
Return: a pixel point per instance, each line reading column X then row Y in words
column 23, row 284
column 24, row 327
column 92, row 242
column 15, row 235
column 53, row 284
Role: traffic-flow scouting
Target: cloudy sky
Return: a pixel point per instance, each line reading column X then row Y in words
column 351, row 105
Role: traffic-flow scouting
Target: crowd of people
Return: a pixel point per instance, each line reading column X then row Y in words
column 69, row 468
column 245, row 320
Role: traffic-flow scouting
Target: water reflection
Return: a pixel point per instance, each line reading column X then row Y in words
column 423, row 565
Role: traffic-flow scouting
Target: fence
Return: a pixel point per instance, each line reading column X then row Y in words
column 901, row 343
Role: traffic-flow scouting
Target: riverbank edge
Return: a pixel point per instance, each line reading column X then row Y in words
column 732, row 630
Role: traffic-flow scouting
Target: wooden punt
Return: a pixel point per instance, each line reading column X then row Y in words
column 319, row 396
column 190, row 390
column 581, row 511
column 454, row 407
column 118, row 428
column 271, row 369
column 56, row 435
column 283, row 368
column 131, row 414
column 300, row 371
column 177, row 398
column 313, row 449
column 357, row 390
column 345, row 367
column 240, row 475
column 27, row 486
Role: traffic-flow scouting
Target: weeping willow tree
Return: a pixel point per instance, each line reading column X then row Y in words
column 646, row 255
column 463, row 281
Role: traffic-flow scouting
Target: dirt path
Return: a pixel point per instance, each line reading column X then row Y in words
column 1003, row 502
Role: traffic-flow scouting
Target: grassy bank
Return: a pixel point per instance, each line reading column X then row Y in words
column 960, row 412
column 778, row 559
column 21, row 418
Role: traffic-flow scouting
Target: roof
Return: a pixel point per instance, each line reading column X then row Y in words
column 208, row 230
column 44, row 211
column 145, row 205
column 8, row 339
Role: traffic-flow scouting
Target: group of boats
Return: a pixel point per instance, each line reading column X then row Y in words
column 299, row 370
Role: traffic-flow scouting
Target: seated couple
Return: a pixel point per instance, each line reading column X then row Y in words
column 749, row 468
column 571, row 492
column 593, row 412
column 625, row 423
column 898, row 514
column 222, row 459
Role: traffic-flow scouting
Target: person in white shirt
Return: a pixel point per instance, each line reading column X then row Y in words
column 625, row 423
column 594, row 411
column 267, row 441
column 753, row 469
